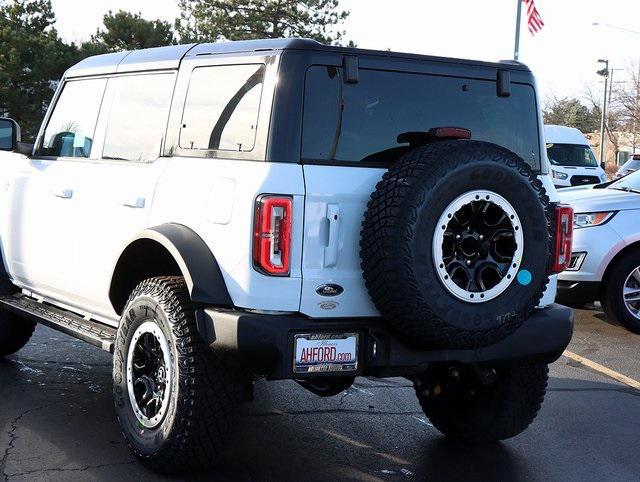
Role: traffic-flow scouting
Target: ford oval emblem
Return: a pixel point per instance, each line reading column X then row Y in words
column 329, row 290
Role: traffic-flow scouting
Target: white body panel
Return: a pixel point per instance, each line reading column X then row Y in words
column 215, row 198
column 38, row 232
column 332, row 247
column 113, row 204
column 65, row 249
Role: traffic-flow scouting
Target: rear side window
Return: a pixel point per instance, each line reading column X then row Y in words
column 361, row 122
column 221, row 108
column 71, row 127
column 138, row 116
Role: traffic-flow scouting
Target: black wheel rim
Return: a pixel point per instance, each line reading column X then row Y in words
column 149, row 371
column 478, row 246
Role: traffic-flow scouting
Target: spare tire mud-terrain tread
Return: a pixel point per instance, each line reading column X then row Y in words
column 389, row 223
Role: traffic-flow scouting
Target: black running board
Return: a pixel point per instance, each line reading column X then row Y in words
column 67, row 322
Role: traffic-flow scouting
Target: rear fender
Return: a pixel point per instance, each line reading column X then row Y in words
column 169, row 249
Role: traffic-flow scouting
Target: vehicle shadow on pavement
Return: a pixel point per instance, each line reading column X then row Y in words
column 598, row 314
column 57, row 422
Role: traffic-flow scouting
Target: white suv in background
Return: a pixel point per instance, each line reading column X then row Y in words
column 213, row 213
column 605, row 263
column 572, row 160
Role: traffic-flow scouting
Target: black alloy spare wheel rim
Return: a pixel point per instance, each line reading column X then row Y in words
column 149, row 374
column 478, row 246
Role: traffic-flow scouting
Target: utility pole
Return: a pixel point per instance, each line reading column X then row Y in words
column 635, row 110
column 516, row 48
column 604, row 73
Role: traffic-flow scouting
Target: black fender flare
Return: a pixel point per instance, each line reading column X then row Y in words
column 192, row 256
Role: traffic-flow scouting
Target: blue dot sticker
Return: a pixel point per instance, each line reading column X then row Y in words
column 524, row 277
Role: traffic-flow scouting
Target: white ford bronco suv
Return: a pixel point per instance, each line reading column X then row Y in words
column 214, row 213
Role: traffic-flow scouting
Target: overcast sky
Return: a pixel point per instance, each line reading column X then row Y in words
column 563, row 55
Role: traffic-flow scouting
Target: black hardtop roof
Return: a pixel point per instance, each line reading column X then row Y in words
column 170, row 57
column 312, row 45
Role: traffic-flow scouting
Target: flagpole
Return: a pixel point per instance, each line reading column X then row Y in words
column 516, row 48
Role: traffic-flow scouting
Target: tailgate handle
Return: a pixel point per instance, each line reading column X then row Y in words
column 331, row 251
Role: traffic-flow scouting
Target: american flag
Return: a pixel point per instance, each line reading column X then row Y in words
column 534, row 20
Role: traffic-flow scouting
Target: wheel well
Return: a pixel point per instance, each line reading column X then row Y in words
column 620, row 254
column 142, row 259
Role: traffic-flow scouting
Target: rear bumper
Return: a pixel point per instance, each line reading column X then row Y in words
column 264, row 343
column 578, row 292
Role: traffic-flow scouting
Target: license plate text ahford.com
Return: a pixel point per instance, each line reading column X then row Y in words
column 322, row 352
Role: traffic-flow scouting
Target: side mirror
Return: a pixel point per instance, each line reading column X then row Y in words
column 603, row 165
column 9, row 134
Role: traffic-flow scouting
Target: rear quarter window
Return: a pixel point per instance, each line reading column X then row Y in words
column 221, row 108
column 346, row 123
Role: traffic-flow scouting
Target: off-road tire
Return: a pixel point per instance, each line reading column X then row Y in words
column 205, row 395
column 490, row 413
column 613, row 287
column 15, row 331
column 398, row 232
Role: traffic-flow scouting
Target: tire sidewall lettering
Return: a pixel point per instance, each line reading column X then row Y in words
column 410, row 200
column 139, row 310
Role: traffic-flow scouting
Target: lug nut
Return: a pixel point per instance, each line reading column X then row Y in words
column 454, row 373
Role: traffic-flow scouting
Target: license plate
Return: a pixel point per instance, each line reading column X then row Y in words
column 325, row 352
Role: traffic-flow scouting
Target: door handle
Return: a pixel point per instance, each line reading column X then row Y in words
column 137, row 203
column 331, row 251
column 64, row 194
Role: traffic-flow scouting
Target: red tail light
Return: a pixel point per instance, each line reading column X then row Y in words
column 564, row 238
column 272, row 235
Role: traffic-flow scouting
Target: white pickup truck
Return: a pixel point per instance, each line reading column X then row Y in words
column 212, row 213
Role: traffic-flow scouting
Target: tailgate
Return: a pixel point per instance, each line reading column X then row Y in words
column 335, row 201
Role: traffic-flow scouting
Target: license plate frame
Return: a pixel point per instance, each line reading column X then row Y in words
column 326, row 340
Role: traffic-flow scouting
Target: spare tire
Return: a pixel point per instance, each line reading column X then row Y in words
column 456, row 244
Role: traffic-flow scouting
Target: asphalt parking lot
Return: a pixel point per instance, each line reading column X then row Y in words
column 57, row 423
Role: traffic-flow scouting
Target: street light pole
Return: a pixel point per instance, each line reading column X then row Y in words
column 605, row 73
